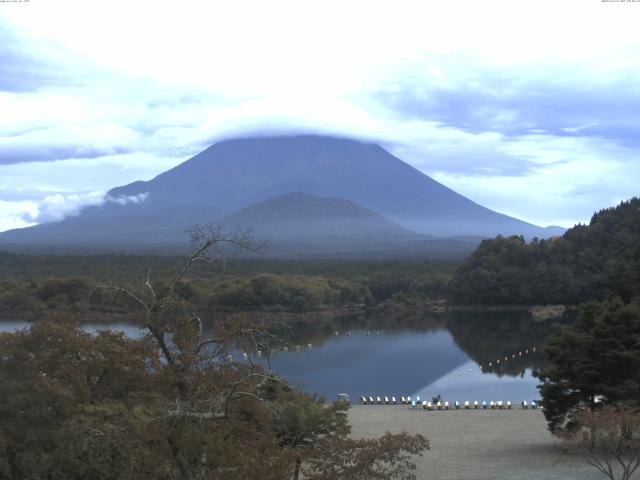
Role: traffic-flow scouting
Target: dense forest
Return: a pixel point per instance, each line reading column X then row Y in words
column 33, row 285
column 589, row 262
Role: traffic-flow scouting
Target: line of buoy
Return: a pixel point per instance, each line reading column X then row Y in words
column 506, row 358
column 309, row 346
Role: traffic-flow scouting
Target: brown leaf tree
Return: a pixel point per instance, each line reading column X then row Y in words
column 609, row 440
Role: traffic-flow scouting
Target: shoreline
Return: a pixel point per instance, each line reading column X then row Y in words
column 538, row 312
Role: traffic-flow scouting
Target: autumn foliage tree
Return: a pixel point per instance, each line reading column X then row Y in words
column 609, row 440
column 180, row 402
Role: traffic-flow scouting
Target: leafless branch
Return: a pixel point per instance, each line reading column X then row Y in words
column 150, row 287
column 126, row 292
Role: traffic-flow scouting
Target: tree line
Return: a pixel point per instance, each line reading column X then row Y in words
column 32, row 286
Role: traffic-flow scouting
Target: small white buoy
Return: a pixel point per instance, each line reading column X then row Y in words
column 259, row 353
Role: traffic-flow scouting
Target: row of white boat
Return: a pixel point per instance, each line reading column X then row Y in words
column 440, row 405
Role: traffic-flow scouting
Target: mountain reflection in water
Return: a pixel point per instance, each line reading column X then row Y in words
column 426, row 356
column 423, row 355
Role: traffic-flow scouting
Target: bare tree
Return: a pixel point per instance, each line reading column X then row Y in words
column 609, row 440
column 165, row 311
column 185, row 344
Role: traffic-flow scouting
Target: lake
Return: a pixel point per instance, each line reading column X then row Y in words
column 425, row 356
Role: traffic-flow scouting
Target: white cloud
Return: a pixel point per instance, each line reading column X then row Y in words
column 126, row 199
column 573, row 179
column 55, row 207
column 13, row 213
column 107, row 109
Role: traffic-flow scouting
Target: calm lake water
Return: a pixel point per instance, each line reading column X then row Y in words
column 420, row 356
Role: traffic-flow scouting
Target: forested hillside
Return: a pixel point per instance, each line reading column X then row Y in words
column 588, row 262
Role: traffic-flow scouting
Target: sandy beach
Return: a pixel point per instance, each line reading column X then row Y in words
column 477, row 444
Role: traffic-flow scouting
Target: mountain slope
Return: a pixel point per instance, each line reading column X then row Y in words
column 235, row 174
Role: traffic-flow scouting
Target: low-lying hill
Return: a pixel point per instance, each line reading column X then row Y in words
column 319, row 224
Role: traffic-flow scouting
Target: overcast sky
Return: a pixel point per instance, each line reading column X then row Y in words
column 531, row 108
